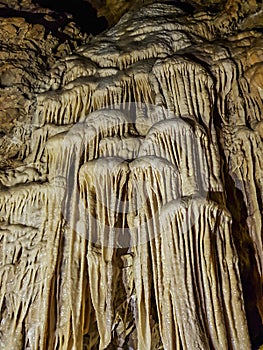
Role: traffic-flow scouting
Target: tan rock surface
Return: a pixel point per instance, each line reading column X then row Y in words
column 131, row 182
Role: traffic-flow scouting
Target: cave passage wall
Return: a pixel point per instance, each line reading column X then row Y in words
column 131, row 176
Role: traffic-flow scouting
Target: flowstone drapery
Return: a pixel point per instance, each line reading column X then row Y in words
column 132, row 219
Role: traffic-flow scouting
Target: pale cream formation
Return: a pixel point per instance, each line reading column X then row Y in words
column 125, row 219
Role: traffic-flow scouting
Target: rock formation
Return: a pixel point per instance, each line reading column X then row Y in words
column 131, row 180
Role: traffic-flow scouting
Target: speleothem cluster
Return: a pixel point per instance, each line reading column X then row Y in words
column 131, row 192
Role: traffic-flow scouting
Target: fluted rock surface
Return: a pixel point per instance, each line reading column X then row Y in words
column 32, row 38
column 131, row 205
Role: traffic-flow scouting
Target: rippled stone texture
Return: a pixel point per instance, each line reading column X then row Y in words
column 131, row 201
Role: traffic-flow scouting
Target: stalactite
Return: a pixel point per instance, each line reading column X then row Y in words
column 187, row 147
column 196, row 235
column 114, row 231
column 64, row 107
column 14, row 200
column 77, row 67
column 245, row 167
column 137, row 50
column 102, row 188
column 27, row 268
column 187, row 88
column 148, row 173
column 39, row 139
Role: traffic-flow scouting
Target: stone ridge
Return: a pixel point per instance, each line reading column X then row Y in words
column 131, row 203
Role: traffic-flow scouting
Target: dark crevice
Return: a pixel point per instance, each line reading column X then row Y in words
column 82, row 13
column 184, row 6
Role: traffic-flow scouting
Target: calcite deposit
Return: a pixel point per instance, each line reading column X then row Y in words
column 131, row 179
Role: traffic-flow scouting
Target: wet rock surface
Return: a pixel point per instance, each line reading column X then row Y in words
column 131, row 180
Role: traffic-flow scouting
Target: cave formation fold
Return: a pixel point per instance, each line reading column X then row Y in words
column 127, row 221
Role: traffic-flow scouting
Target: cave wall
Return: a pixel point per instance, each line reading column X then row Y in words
column 131, row 179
